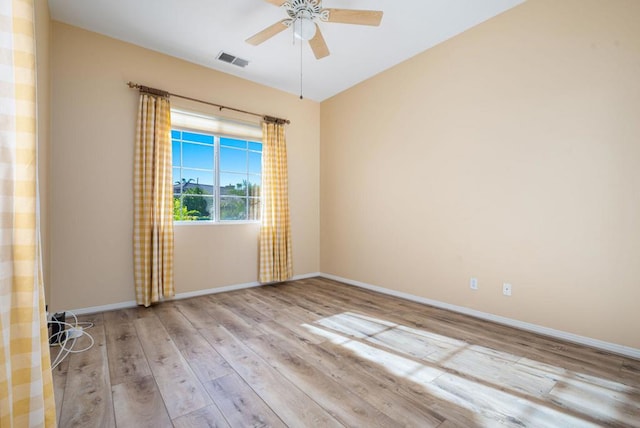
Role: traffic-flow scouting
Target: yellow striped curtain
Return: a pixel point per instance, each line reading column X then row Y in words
column 275, row 231
column 26, row 387
column 153, row 201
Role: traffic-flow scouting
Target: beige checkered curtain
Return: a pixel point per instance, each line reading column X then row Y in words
column 275, row 231
column 26, row 387
column 153, row 201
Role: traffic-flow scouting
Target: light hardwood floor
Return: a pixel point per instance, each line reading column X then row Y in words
column 318, row 353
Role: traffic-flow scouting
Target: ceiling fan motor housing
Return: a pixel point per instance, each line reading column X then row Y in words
column 306, row 9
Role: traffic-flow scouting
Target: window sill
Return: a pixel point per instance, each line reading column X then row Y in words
column 214, row 223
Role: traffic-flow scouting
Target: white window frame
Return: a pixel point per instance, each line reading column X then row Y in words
column 217, row 128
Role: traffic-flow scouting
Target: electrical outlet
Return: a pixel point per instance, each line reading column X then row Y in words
column 506, row 289
column 473, row 283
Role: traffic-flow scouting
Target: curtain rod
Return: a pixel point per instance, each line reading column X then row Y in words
column 162, row 93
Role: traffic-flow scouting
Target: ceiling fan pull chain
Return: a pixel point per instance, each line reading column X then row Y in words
column 300, row 69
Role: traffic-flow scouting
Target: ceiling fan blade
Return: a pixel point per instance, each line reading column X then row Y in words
column 318, row 45
column 352, row 16
column 267, row 33
column 277, row 2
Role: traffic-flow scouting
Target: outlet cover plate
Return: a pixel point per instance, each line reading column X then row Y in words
column 506, row 289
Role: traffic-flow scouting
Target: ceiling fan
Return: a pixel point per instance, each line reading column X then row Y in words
column 304, row 16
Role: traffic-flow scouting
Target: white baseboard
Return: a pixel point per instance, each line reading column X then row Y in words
column 558, row 334
column 103, row 308
column 186, row 295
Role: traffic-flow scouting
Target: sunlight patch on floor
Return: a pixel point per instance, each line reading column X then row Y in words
column 490, row 383
column 395, row 364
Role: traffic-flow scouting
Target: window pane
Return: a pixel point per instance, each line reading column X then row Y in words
column 197, row 156
column 255, row 183
column 233, row 184
column 233, row 208
column 230, row 142
column 179, row 210
column 255, row 146
column 192, row 208
column 175, row 153
column 192, row 179
column 233, row 160
column 254, row 209
column 176, row 180
column 196, row 207
column 198, row 138
column 175, row 134
column 255, row 162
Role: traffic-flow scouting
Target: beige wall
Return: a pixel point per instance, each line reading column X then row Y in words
column 510, row 153
column 93, row 123
column 43, row 37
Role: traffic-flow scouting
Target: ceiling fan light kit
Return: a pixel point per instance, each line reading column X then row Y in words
column 304, row 28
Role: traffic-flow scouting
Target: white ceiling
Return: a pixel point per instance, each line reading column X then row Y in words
column 197, row 30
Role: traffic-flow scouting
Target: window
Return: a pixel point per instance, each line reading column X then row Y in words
column 216, row 177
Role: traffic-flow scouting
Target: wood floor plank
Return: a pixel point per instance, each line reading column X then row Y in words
column 127, row 362
column 205, row 362
column 239, row 404
column 630, row 371
column 87, row 395
column 138, row 403
column 237, row 325
column 237, row 303
column 289, row 316
column 262, row 303
column 209, row 417
column 452, row 424
column 472, row 362
column 59, row 375
column 180, row 388
column 607, row 402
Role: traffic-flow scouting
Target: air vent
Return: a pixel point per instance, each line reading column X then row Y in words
column 232, row 59
column 240, row 62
